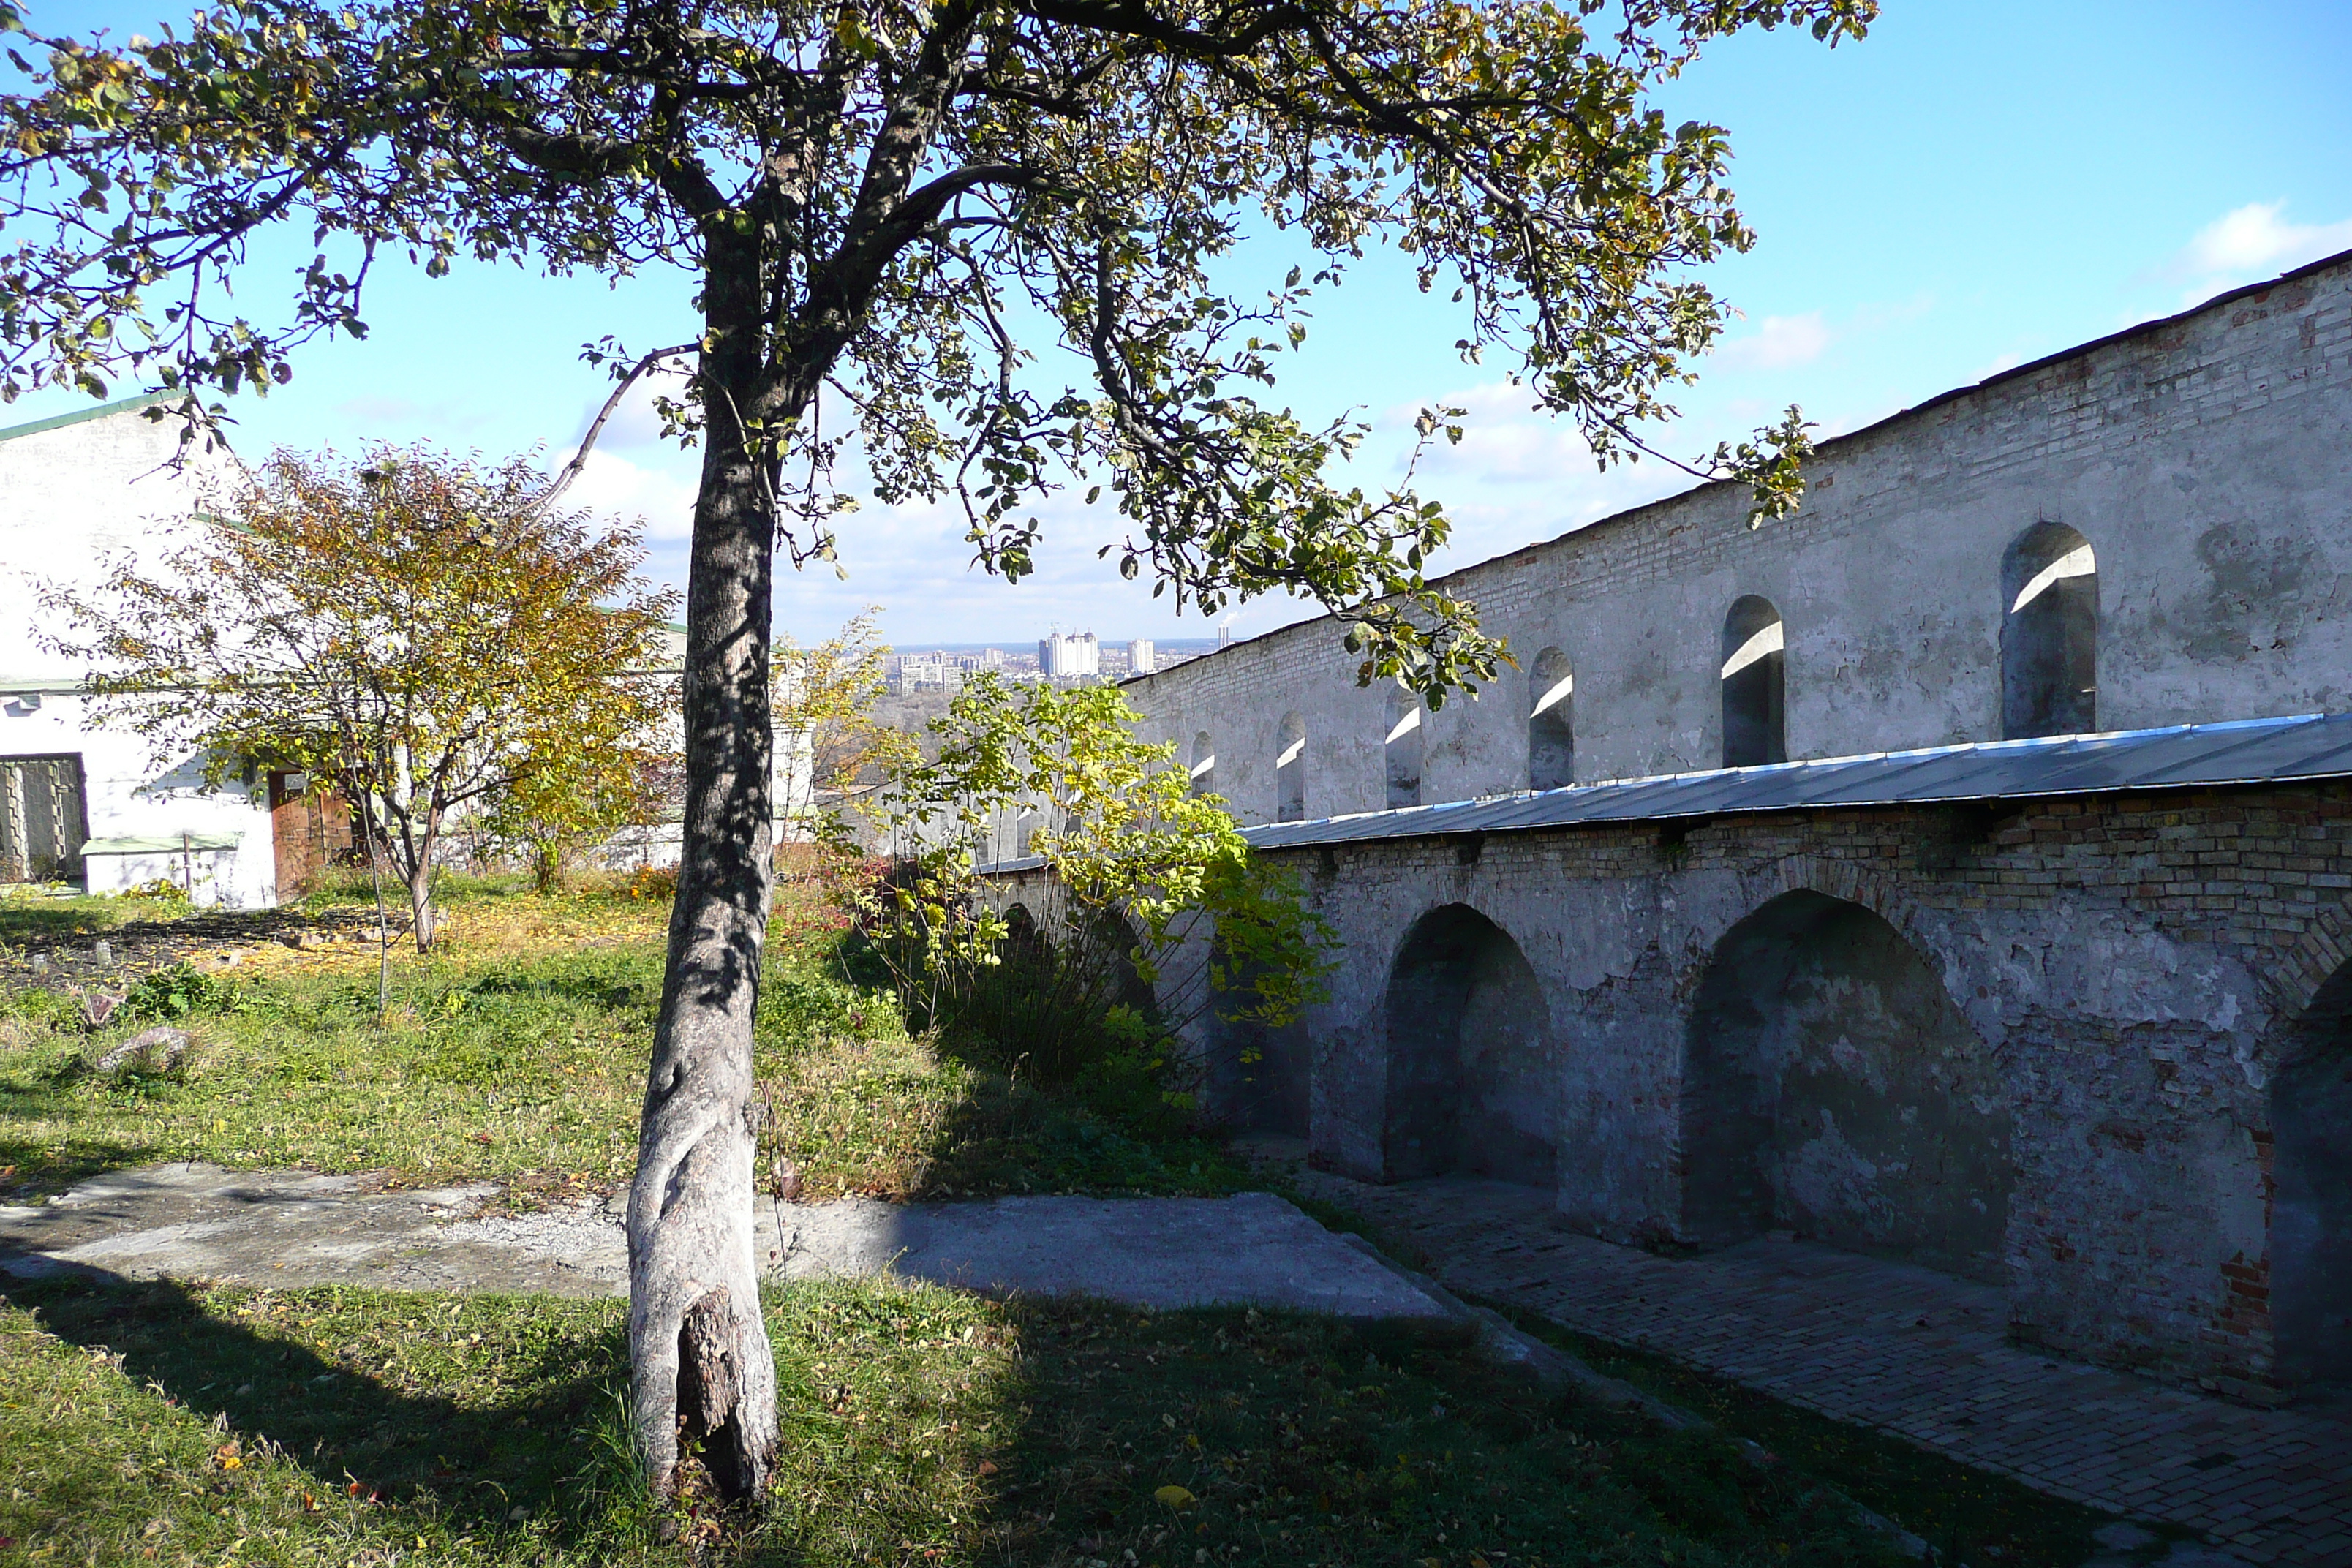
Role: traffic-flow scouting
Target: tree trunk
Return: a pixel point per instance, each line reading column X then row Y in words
column 702, row 1368
column 420, row 880
column 420, row 903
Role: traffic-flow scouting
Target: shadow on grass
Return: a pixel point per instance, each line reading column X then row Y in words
column 1957, row 1508
column 55, row 1164
column 613, row 981
column 40, row 929
column 469, row 1464
column 923, row 1425
column 1235, row 1437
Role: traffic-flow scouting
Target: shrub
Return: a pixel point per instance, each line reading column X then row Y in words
column 175, row 992
column 1150, row 912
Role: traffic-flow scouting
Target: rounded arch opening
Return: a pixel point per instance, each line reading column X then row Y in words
column 1832, row 1088
column 1258, row 1077
column 1204, row 763
column 1401, row 752
column 1551, row 721
column 2049, row 635
column 2311, row 1199
column 1471, row 1088
column 1755, row 684
column 1290, row 768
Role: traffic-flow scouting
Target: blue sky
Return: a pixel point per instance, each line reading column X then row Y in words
column 1977, row 184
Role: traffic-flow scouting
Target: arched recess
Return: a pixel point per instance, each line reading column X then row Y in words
column 1755, row 682
column 1204, row 763
column 1470, row 1086
column 2049, row 635
column 2310, row 1198
column 1551, row 721
column 1401, row 752
column 1021, row 933
column 1831, row 1087
column 1258, row 1072
column 1290, row 769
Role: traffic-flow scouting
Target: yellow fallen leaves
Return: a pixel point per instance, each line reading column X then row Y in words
column 1174, row 1497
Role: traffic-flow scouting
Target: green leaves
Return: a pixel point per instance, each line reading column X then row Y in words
column 1129, row 848
column 989, row 246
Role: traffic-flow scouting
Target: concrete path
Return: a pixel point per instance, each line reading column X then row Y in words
column 197, row 1221
column 1910, row 1352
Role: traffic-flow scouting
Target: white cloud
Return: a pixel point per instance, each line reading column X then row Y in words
column 612, row 486
column 2250, row 242
column 1782, row 342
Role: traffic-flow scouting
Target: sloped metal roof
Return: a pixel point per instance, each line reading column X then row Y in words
column 2253, row 750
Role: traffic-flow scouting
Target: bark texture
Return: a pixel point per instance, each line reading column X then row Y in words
column 703, row 1370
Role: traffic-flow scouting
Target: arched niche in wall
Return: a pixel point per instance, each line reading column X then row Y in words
column 1551, row 721
column 1258, row 1073
column 1290, row 768
column 2049, row 635
column 2311, row 1205
column 1400, row 753
column 1832, row 1088
column 1204, row 763
column 1755, row 679
column 1471, row 1079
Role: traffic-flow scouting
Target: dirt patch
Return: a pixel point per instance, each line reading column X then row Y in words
column 59, row 960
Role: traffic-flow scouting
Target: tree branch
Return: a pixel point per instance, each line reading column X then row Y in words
column 571, row 470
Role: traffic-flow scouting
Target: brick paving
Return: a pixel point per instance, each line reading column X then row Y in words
column 1903, row 1350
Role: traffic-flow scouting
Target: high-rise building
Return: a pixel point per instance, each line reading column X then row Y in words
column 1070, row 656
column 1138, row 655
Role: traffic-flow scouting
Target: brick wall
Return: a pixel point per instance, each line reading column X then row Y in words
column 2136, row 967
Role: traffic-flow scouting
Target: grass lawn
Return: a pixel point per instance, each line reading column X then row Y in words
column 196, row 1427
column 193, row 1424
column 517, row 1053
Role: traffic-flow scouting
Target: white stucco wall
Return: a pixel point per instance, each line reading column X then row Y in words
column 77, row 493
column 2207, row 459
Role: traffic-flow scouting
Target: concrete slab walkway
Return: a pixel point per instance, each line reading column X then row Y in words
column 290, row 1227
column 1904, row 1350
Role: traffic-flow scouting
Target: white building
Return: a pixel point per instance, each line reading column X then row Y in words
column 1139, row 657
column 82, row 803
column 1059, row 656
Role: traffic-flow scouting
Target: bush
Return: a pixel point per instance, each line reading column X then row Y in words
column 650, row 884
column 175, row 992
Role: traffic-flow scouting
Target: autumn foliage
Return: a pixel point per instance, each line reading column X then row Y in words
column 410, row 627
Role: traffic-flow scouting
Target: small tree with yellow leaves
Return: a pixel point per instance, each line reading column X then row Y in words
column 416, row 629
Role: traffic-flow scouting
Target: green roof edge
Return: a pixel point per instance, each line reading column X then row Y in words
column 120, row 406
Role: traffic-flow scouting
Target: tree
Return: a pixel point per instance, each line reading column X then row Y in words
column 825, row 695
column 1148, row 885
column 410, row 628
column 585, row 788
column 885, row 209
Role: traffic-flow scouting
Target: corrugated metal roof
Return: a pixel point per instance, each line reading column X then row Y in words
column 2252, row 750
